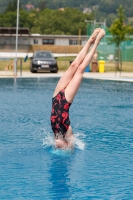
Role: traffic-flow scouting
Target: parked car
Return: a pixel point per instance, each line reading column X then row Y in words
column 43, row 61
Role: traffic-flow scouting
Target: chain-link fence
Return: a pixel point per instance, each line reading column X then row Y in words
column 106, row 50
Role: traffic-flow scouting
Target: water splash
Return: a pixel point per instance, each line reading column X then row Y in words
column 79, row 141
column 48, row 140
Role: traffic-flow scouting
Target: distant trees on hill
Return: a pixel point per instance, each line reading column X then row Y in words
column 54, row 21
column 48, row 21
column 104, row 6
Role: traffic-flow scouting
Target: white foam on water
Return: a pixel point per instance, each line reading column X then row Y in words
column 47, row 139
column 79, row 141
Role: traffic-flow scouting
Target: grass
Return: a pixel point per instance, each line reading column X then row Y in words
column 63, row 63
column 126, row 66
column 9, row 63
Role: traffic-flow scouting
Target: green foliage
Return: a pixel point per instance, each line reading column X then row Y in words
column 120, row 32
column 8, row 19
column 66, row 22
column 119, row 29
column 12, row 6
column 42, row 5
column 69, row 21
column 49, row 21
column 106, row 8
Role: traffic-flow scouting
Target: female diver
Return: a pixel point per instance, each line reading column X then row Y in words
column 66, row 90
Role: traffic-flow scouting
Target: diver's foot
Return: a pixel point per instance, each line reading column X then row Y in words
column 94, row 35
column 100, row 35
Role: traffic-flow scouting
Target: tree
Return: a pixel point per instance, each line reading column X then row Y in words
column 120, row 32
column 12, row 6
column 9, row 19
column 67, row 22
column 42, row 5
column 110, row 18
column 107, row 6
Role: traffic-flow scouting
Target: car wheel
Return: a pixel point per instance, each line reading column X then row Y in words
column 54, row 71
column 33, row 71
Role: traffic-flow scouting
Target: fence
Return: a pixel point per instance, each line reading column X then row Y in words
column 106, row 50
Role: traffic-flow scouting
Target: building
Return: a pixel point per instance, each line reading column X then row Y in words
column 58, row 44
column 8, row 39
column 29, row 7
column 28, row 42
column 87, row 10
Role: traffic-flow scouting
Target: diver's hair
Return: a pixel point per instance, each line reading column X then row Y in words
column 60, row 136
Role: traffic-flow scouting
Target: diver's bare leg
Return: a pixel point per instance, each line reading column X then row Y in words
column 74, row 84
column 68, row 75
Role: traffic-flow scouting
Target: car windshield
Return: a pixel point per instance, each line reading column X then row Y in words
column 43, row 55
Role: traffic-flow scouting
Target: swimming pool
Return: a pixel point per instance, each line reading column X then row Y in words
column 101, row 165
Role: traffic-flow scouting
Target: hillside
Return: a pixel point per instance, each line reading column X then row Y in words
column 102, row 9
column 106, row 6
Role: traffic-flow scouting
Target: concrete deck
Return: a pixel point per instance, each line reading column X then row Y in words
column 124, row 76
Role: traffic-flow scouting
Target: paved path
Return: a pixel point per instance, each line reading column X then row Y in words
column 124, row 76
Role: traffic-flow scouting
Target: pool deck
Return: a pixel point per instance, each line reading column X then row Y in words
column 123, row 76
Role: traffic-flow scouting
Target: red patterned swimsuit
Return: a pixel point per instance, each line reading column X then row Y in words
column 60, row 114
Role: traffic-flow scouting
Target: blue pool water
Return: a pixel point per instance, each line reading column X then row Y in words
column 101, row 165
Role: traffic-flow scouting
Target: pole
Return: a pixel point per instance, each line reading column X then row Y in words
column 15, row 61
column 79, row 40
column 21, row 67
